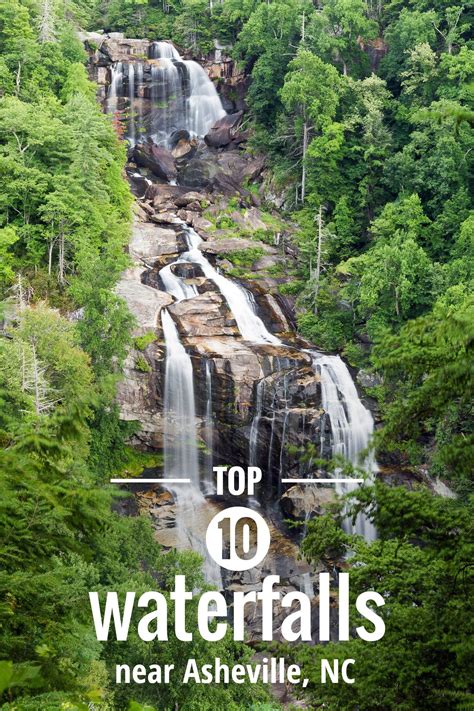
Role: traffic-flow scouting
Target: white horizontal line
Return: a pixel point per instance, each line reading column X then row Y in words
column 322, row 481
column 150, row 481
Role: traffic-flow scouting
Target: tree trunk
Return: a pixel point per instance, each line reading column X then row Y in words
column 318, row 259
column 61, row 259
column 36, row 383
column 303, row 171
column 50, row 256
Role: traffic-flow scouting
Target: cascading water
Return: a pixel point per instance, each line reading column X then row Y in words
column 352, row 427
column 204, row 105
column 174, row 285
column 253, row 438
column 131, row 96
column 115, row 87
column 249, row 324
column 166, row 94
column 163, row 50
column 181, row 95
column 209, row 423
column 180, row 437
column 181, row 457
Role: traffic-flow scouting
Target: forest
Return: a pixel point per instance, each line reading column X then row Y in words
column 364, row 111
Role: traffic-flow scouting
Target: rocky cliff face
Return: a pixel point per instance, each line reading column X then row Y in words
column 263, row 392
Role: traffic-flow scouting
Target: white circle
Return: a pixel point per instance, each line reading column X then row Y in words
column 237, row 522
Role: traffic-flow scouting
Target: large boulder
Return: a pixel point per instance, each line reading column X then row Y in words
column 190, row 197
column 224, row 130
column 149, row 242
column 157, row 159
column 184, row 150
column 205, row 315
column 144, row 302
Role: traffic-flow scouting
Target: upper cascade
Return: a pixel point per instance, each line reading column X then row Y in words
column 163, row 95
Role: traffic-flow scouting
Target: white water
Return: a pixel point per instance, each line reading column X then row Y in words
column 131, row 96
column 181, row 93
column 253, row 437
column 180, row 436
column 250, row 325
column 352, row 427
column 115, row 87
column 181, row 457
column 209, row 422
column 176, row 286
column 204, row 104
column 163, row 50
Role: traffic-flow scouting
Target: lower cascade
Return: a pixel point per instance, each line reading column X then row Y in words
column 352, row 427
column 180, row 445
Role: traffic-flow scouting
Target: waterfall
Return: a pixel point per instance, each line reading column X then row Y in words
column 168, row 100
column 253, row 438
column 182, row 95
column 174, row 285
column 115, row 87
column 352, row 426
column 180, row 436
column 163, row 50
column 283, row 433
column 131, row 99
column 205, row 107
column 209, row 422
column 181, row 448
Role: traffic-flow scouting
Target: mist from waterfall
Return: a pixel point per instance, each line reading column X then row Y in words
column 164, row 94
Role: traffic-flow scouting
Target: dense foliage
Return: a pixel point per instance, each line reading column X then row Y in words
column 422, row 564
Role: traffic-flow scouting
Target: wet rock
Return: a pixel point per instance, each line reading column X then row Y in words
column 187, row 270
column 184, row 151
column 181, row 135
column 199, row 172
column 157, row 159
column 165, row 193
column 301, row 502
column 141, row 186
column 167, row 217
column 143, row 301
column 272, row 313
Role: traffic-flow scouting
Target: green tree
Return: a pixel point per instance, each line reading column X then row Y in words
column 337, row 31
column 424, row 658
column 427, row 369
